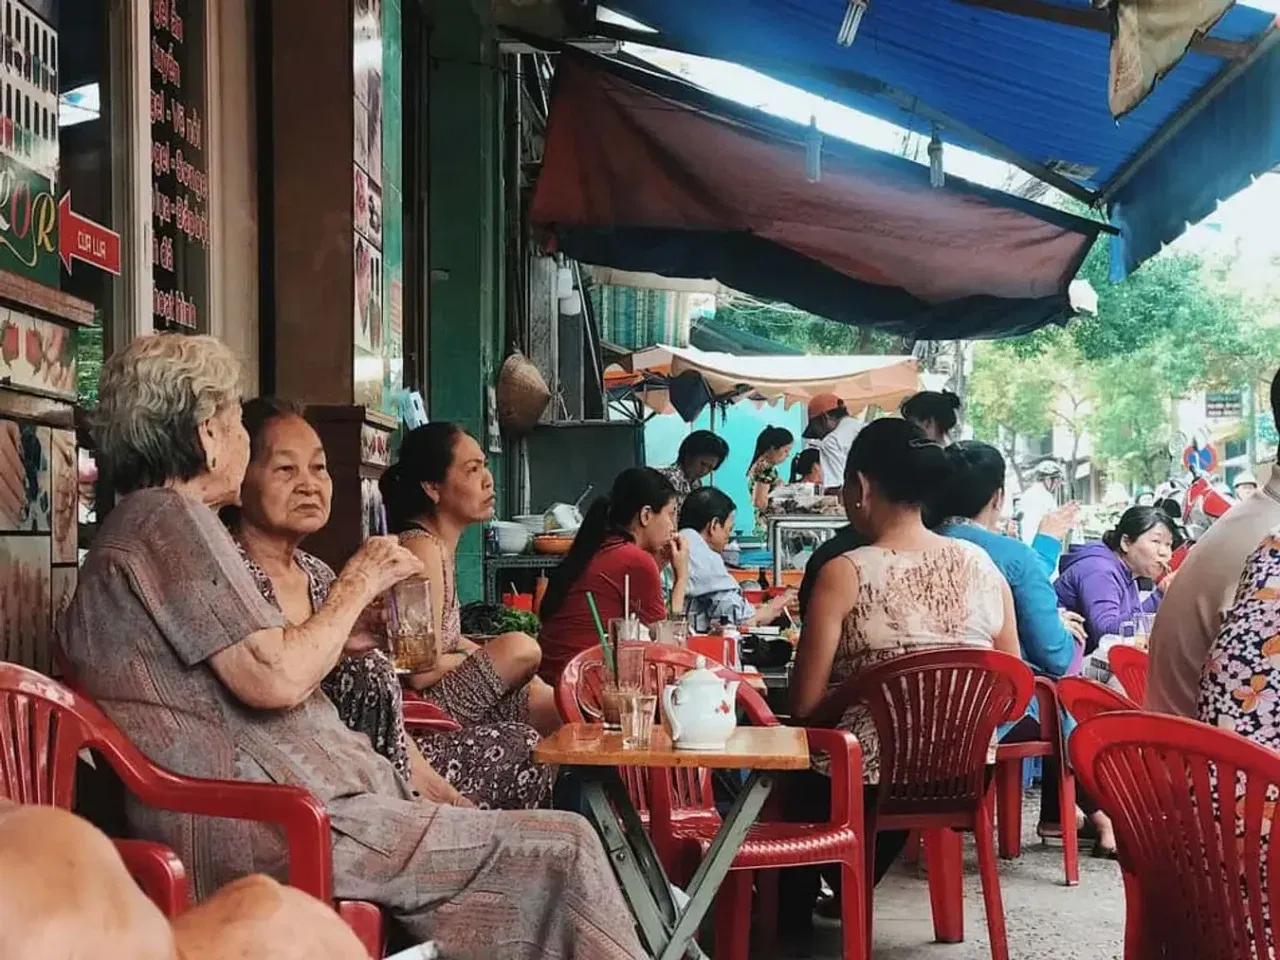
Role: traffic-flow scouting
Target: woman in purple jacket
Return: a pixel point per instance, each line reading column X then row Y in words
column 1099, row 580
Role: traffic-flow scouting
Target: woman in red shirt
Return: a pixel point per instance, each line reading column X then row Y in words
column 624, row 535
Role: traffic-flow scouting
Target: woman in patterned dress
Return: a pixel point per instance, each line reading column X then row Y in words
column 1240, row 683
column 439, row 486
column 285, row 498
column 910, row 591
column 701, row 454
column 773, row 446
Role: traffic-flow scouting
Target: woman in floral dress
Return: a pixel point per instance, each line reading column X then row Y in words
column 1240, row 684
column 773, row 446
column 285, row 497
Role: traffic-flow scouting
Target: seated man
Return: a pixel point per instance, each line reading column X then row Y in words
column 65, row 893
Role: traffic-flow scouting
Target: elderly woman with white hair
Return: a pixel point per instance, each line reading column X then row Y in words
column 171, row 637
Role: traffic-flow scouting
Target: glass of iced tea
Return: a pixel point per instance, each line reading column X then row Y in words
column 411, row 631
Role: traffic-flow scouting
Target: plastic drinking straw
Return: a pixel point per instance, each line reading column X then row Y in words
column 610, row 660
column 626, row 601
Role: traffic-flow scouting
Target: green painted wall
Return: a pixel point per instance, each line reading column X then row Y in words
column 466, row 212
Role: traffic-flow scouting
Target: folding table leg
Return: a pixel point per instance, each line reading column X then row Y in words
column 711, row 872
column 637, row 888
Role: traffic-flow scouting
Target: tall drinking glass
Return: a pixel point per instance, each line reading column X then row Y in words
column 626, row 680
column 637, row 711
column 411, row 630
column 1142, row 624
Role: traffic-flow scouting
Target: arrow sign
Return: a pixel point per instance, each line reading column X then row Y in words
column 79, row 238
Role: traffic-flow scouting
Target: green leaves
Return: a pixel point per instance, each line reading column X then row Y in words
column 1171, row 329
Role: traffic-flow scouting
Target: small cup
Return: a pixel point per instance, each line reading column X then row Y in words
column 636, row 718
column 411, row 631
column 625, row 630
column 630, row 673
column 674, row 632
column 611, row 698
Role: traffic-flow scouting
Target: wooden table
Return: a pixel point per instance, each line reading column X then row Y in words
column 596, row 756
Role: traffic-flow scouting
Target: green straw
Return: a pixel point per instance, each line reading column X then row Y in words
column 610, row 660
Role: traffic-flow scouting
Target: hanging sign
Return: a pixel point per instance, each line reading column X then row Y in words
column 1205, row 459
column 80, row 238
column 1224, row 406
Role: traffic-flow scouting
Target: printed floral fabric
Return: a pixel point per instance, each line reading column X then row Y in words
column 1240, row 684
column 766, row 473
column 675, row 475
column 911, row 602
column 488, row 763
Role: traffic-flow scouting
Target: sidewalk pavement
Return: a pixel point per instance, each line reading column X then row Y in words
column 1045, row 919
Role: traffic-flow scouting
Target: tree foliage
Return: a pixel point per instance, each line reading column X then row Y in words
column 803, row 331
column 1171, row 329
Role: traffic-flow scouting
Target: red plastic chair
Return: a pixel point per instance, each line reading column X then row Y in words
column 1085, row 699
column 1195, row 886
column 683, row 820
column 1008, row 784
column 1129, row 664
column 423, row 715
column 43, row 728
column 936, row 714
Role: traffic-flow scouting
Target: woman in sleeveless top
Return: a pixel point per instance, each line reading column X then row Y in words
column 910, row 591
column 285, row 498
column 439, row 486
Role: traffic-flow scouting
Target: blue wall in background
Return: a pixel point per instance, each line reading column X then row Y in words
column 739, row 425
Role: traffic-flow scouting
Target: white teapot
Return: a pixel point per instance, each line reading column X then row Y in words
column 701, row 709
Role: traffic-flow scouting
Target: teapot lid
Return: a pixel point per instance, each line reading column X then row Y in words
column 700, row 675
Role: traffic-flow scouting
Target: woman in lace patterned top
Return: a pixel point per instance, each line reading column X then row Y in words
column 439, row 486
column 910, row 591
column 286, row 497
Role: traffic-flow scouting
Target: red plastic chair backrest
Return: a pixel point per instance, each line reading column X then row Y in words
column 44, row 726
column 1197, row 883
column 1129, row 664
column 936, row 714
column 1085, row 699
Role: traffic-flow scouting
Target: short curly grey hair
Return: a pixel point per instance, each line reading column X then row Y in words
column 152, row 397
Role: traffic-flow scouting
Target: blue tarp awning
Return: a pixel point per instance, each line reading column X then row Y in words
column 1036, row 87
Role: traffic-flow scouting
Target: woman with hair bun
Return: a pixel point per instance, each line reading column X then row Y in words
column 910, row 591
column 935, row 412
column 1099, row 581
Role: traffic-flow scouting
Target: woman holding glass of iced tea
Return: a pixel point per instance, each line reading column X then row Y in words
column 286, row 497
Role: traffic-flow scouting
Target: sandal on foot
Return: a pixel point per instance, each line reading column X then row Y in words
column 1053, row 831
column 1104, row 853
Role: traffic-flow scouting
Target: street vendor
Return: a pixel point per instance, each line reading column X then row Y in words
column 933, row 411
column 773, row 446
column 701, row 454
column 834, row 429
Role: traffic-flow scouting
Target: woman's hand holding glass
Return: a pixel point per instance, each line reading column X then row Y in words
column 379, row 565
